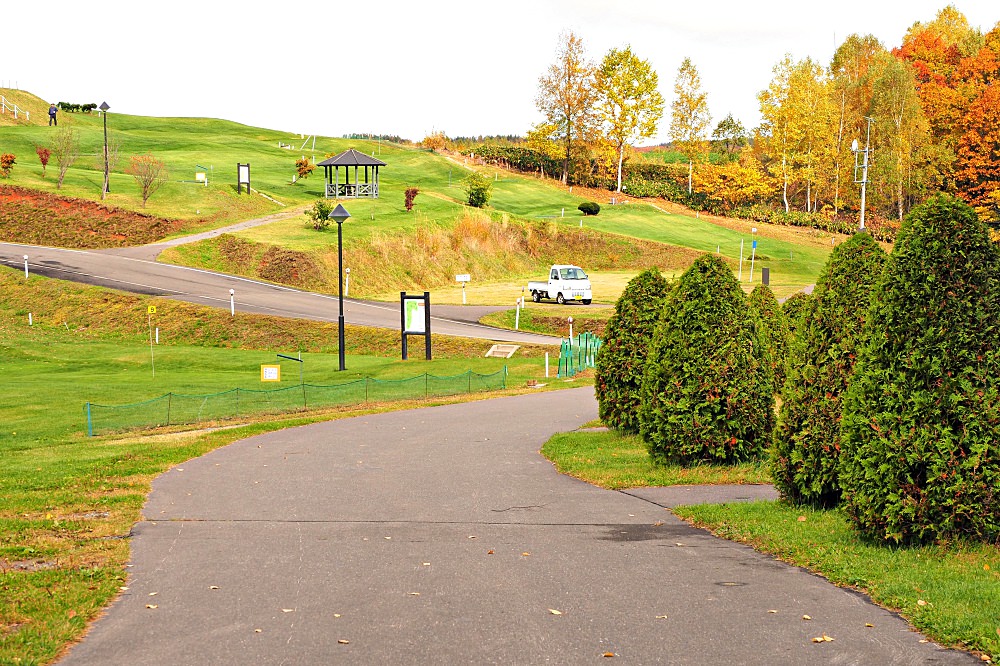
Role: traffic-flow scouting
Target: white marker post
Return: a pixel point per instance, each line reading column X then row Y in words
column 571, row 330
column 25, row 267
column 517, row 315
column 546, row 365
column 232, row 302
column 347, row 282
column 463, row 278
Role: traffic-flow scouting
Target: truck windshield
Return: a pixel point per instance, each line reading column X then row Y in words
column 572, row 273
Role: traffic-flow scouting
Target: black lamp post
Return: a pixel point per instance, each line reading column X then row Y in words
column 339, row 214
column 104, row 111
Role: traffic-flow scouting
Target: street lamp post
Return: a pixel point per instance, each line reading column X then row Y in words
column 339, row 214
column 104, row 112
column 861, row 161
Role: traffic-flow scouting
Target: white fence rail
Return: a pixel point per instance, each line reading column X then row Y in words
column 6, row 105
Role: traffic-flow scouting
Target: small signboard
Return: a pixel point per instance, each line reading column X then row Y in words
column 415, row 319
column 465, row 277
column 270, row 373
column 151, row 309
column 242, row 177
column 200, row 177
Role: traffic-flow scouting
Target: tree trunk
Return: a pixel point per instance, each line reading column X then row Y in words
column 621, row 155
column 840, row 146
column 784, row 177
column 690, row 175
column 569, row 141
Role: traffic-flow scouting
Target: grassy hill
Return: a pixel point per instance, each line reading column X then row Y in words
column 381, row 231
column 37, row 110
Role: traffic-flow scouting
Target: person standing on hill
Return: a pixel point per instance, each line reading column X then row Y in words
column 52, row 115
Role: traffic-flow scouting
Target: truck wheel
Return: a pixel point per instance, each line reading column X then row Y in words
column 560, row 300
column 536, row 297
column 586, row 301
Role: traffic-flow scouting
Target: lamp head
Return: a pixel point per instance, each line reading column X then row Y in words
column 104, row 106
column 339, row 214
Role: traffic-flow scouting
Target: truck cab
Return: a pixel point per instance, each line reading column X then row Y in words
column 566, row 283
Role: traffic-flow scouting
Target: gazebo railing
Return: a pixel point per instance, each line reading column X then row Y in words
column 352, row 190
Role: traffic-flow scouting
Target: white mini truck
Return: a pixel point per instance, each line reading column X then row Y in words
column 566, row 283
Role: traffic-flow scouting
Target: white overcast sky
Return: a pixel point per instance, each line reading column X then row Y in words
column 464, row 67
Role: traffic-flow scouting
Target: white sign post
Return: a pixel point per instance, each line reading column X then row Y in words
column 347, row 282
column 232, row 302
column 25, row 267
column 463, row 278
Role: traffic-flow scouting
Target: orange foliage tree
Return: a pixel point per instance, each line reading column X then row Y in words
column 978, row 168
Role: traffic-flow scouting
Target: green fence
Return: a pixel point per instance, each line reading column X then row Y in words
column 578, row 354
column 180, row 409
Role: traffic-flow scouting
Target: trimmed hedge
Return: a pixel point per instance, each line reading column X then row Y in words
column 589, row 208
column 622, row 358
column 820, row 364
column 794, row 308
column 920, row 460
column 705, row 391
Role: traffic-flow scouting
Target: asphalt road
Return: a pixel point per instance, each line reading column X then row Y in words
column 441, row 536
column 135, row 270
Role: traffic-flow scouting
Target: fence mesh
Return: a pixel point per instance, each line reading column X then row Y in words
column 577, row 354
column 181, row 409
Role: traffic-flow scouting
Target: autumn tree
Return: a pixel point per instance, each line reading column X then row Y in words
column 729, row 136
column 149, row 173
column 43, row 156
column 66, row 149
column 690, row 118
column 304, row 167
column 7, row 162
column 978, row 168
column 629, row 104
column 566, row 95
column 736, row 183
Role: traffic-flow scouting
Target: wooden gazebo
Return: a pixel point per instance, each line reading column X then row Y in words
column 345, row 189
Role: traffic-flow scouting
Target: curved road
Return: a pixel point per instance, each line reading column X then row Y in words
column 135, row 270
column 441, row 536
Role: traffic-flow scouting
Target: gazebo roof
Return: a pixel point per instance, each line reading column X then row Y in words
column 351, row 157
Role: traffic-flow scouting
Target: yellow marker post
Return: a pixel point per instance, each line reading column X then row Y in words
column 150, row 311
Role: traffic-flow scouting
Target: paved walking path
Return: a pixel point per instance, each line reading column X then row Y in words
column 441, row 536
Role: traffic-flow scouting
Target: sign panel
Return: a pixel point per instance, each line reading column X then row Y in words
column 244, row 173
column 755, row 245
column 199, row 177
column 414, row 311
column 270, row 373
column 151, row 309
column 465, row 277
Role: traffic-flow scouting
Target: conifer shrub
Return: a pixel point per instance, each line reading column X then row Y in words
column 794, row 308
column 772, row 331
column 622, row 357
column 820, row 364
column 705, row 392
column 920, row 460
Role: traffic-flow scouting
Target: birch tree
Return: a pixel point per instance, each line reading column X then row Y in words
column 566, row 95
column 690, row 119
column 629, row 103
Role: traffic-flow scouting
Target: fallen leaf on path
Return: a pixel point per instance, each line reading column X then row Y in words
column 213, row 587
column 525, row 554
column 772, row 611
column 658, row 523
column 151, row 606
column 123, row 588
column 287, row 610
column 344, row 641
column 489, row 552
column 802, row 519
column 869, row 624
column 555, row 612
column 414, row 594
column 822, row 639
column 806, row 617
column 661, row 617
column 608, row 654
column 153, row 594
column 427, row 564
column 336, row 614
column 257, row 631
column 472, row 536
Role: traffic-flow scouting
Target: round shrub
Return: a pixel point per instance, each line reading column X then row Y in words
column 772, row 331
column 919, row 454
column 705, row 391
column 622, row 358
column 820, row 365
column 589, row 208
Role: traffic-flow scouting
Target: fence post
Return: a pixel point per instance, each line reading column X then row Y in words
column 366, row 388
column 470, row 381
column 90, row 423
column 168, row 407
column 504, row 384
column 426, row 391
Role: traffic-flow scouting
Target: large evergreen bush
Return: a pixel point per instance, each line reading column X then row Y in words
column 920, row 457
column 622, row 357
column 772, row 331
column 705, row 392
column 820, row 364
